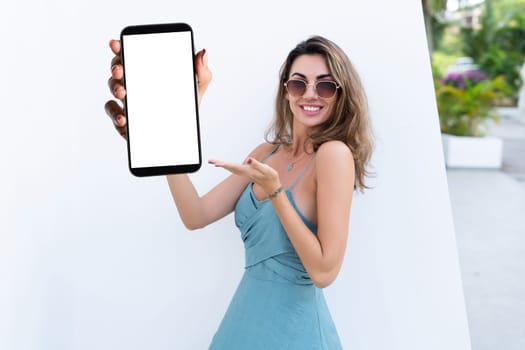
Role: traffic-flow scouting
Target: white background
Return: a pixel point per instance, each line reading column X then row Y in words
column 93, row 258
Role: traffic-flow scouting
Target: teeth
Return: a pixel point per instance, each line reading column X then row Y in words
column 311, row 108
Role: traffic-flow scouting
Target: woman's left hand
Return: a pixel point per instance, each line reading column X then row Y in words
column 259, row 173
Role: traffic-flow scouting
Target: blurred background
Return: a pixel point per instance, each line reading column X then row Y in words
column 478, row 52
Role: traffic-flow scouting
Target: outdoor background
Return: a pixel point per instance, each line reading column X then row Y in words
column 488, row 203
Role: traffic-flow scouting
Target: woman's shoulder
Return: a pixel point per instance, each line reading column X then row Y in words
column 334, row 155
column 334, row 149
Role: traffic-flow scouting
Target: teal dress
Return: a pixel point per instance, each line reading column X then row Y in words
column 276, row 305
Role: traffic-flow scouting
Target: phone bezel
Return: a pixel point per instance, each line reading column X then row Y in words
column 164, row 169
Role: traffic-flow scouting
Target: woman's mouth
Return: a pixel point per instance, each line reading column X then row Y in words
column 311, row 109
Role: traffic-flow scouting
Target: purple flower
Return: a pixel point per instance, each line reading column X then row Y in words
column 461, row 80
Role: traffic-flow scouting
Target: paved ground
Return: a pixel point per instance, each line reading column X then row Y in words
column 489, row 216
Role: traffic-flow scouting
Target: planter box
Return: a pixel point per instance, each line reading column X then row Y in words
column 472, row 152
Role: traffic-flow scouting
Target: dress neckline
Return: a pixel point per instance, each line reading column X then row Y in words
column 261, row 202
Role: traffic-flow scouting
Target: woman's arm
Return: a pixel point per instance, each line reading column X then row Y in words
column 197, row 212
column 322, row 255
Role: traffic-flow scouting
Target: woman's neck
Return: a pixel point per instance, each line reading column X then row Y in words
column 300, row 142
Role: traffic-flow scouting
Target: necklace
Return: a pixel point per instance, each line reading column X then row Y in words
column 292, row 163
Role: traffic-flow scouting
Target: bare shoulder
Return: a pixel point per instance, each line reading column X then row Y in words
column 334, row 167
column 261, row 150
column 335, row 153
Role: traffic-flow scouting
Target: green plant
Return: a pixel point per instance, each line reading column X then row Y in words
column 499, row 46
column 498, row 62
column 465, row 102
column 511, row 33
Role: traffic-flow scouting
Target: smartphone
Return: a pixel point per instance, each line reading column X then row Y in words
column 161, row 99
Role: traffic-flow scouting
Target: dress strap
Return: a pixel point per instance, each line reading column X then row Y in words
column 302, row 172
column 274, row 149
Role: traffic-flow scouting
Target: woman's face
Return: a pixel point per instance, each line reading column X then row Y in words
column 309, row 109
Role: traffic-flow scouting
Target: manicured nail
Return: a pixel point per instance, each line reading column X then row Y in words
column 117, row 90
column 204, row 57
column 249, row 161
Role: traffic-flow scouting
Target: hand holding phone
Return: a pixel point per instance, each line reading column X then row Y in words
column 115, row 111
column 161, row 100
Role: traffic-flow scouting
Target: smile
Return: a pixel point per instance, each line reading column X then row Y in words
column 311, row 108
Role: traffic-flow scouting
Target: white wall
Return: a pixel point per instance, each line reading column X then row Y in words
column 93, row 258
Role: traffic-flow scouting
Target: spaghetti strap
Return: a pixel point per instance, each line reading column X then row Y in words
column 274, row 149
column 301, row 173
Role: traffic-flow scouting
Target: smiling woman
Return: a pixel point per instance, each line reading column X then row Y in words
column 291, row 197
column 328, row 66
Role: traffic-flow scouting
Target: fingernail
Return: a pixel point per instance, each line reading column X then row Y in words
column 117, row 90
column 249, row 161
column 113, row 67
column 204, row 57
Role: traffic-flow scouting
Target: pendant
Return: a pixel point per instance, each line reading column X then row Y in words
column 290, row 166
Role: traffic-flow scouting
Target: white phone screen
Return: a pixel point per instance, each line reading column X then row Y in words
column 161, row 108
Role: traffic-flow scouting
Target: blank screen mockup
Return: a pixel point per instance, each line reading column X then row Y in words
column 160, row 99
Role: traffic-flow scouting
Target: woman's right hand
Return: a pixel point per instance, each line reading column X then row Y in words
column 115, row 110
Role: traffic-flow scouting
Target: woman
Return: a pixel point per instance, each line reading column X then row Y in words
column 291, row 197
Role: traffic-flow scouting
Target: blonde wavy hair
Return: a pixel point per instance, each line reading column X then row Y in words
column 349, row 121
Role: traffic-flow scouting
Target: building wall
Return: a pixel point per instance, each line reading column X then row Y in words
column 93, row 258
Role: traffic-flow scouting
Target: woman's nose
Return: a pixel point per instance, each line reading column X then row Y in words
column 310, row 92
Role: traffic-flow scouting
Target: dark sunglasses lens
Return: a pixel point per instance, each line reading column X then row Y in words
column 296, row 87
column 326, row 89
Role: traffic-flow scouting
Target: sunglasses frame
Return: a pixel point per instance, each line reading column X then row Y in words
column 337, row 86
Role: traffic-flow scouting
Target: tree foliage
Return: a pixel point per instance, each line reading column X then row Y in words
column 433, row 26
column 498, row 46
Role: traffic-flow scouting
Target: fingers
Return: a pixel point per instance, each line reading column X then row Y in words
column 252, row 169
column 238, row 169
column 203, row 72
column 117, row 116
column 115, row 46
column 115, row 82
column 259, row 173
column 113, row 110
column 246, row 169
column 261, row 167
column 116, row 88
column 116, row 113
column 115, row 61
column 243, row 170
column 265, row 171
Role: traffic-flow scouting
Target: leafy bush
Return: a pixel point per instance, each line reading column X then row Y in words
column 498, row 46
column 498, row 62
column 465, row 102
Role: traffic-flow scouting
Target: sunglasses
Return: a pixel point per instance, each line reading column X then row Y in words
column 324, row 89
